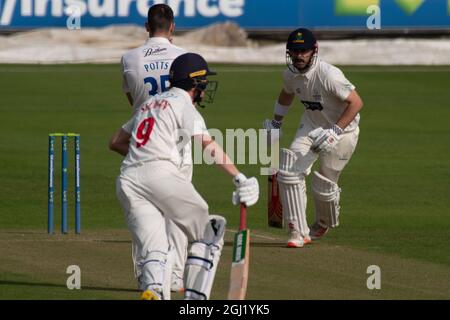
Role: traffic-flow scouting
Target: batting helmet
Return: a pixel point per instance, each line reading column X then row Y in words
column 189, row 71
column 301, row 39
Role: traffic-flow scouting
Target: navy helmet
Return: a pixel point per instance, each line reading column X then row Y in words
column 301, row 39
column 189, row 66
column 189, row 71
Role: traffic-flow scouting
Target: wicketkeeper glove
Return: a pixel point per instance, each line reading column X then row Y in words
column 325, row 140
column 247, row 190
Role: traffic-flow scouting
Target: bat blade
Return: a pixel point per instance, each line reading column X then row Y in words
column 240, row 266
column 274, row 207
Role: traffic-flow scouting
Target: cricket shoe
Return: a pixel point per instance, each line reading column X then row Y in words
column 317, row 231
column 149, row 294
column 297, row 241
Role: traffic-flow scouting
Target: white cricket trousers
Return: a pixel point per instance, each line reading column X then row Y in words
column 331, row 163
column 152, row 190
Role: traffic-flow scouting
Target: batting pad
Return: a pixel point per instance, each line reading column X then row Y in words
column 202, row 261
column 326, row 198
column 287, row 173
column 287, row 160
column 153, row 272
column 292, row 192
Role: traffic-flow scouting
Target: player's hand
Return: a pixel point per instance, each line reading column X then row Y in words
column 247, row 190
column 323, row 140
column 273, row 128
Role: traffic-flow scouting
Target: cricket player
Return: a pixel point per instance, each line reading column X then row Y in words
column 152, row 187
column 146, row 73
column 146, row 69
column 328, row 132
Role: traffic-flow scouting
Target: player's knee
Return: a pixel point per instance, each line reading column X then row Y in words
column 326, row 195
column 288, row 173
column 193, row 224
column 323, row 188
column 301, row 145
column 329, row 173
column 202, row 214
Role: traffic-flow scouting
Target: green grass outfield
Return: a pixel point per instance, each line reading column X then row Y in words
column 395, row 190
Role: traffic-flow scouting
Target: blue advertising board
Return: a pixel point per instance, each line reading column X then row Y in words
column 249, row 14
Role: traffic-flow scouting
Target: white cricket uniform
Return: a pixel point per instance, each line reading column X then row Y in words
column 150, row 185
column 146, row 69
column 146, row 73
column 322, row 90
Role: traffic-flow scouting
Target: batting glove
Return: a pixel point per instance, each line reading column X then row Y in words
column 247, row 190
column 325, row 140
column 273, row 128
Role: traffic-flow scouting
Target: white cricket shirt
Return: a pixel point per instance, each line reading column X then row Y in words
column 146, row 69
column 161, row 126
column 322, row 90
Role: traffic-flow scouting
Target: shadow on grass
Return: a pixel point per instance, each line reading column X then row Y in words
column 18, row 232
column 54, row 285
column 260, row 244
column 112, row 241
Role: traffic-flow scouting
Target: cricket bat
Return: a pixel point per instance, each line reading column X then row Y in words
column 240, row 263
column 274, row 207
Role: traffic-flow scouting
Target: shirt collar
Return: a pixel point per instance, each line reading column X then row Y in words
column 183, row 93
column 308, row 74
column 157, row 40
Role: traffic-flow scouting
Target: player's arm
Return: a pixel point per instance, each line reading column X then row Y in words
column 217, row 154
column 354, row 105
column 126, row 74
column 247, row 189
column 281, row 108
column 337, row 84
column 321, row 138
column 130, row 98
column 282, row 105
column 284, row 101
column 120, row 142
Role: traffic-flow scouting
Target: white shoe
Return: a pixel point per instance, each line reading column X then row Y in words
column 317, row 231
column 297, row 241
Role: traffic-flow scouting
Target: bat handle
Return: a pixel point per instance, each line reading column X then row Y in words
column 243, row 220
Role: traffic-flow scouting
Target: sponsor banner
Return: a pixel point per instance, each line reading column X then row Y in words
column 249, row 14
